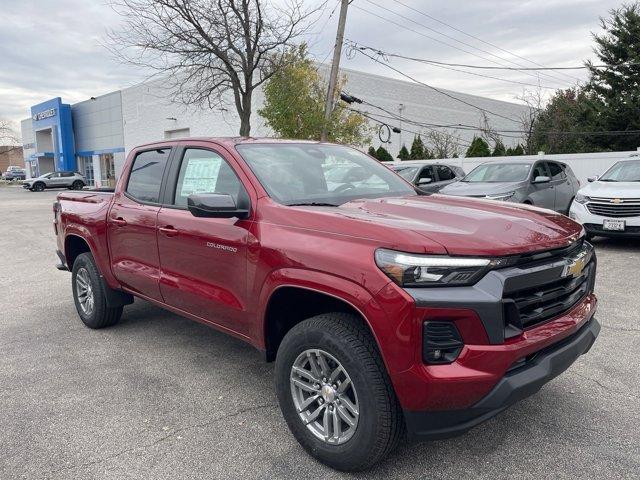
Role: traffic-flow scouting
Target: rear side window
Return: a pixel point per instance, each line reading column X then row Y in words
column 66, row 174
column 146, row 175
column 556, row 171
column 445, row 173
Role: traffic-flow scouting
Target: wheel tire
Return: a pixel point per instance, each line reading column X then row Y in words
column 39, row 187
column 100, row 315
column 77, row 185
column 589, row 236
column 380, row 424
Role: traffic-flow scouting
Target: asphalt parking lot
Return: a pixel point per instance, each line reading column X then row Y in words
column 159, row 396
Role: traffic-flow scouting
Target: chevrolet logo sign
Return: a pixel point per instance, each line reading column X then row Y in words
column 617, row 200
column 576, row 265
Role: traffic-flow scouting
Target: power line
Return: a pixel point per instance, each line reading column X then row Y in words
column 486, row 67
column 554, row 78
column 475, row 37
column 442, row 92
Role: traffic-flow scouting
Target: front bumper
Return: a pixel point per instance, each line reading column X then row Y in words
column 517, row 384
column 593, row 223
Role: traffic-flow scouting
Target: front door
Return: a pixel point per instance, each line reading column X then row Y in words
column 132, row 225
column 204, row 260
column 427, row 173
column 542, row 194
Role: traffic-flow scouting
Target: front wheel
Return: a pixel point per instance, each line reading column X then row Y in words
column 77, row 185
column 38, row 187
column 89, row 295
column 335, row 394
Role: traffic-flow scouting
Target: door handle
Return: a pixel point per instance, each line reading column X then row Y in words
column 119, row 221
column 169, row 231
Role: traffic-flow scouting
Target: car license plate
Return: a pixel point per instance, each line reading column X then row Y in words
column 613, row 225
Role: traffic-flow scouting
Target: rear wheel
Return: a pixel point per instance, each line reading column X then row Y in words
column 89, row 295
column 38, row 187
column 335, row 394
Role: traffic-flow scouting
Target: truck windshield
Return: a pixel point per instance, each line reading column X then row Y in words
column 313, row 174
column 626, row 171
column 499, row 172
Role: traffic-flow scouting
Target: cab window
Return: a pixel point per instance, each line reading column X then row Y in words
column 445, row 173
column 146, row 174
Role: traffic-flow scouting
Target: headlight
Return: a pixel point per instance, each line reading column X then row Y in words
column 581, row 198
column 414, row 270
column 501, row 196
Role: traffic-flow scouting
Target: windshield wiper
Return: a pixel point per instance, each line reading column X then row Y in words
column 607, row 180
column 312, row 204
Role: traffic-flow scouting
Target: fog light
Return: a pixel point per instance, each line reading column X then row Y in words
column 441, row 342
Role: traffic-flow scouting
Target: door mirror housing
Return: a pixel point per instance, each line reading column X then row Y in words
column 424, row 181
column 214, row 205
column 592, row 179
column 541, row 179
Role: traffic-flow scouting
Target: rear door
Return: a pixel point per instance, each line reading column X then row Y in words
column 132, row 223
column 204, row 260
column 542, row 194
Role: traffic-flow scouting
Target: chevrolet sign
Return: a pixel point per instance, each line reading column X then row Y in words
column 576, row 264
column 44, row 114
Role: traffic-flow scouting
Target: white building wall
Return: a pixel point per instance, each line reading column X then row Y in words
column 28, row 144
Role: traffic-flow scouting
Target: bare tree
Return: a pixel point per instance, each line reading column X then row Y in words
column 208, row 48
column 534, row 100
column 487, row 132
column 443, row 144
column 8, row 136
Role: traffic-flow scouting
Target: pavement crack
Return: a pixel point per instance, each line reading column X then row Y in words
column 607, row 388
column 165, row 437
column 619, row 329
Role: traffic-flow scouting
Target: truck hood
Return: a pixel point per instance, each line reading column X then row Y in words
column 480, row 188
column 465, row 226
column 611, row 189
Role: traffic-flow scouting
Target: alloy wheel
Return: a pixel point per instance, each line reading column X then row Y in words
column 84, row 291
column 324, row 396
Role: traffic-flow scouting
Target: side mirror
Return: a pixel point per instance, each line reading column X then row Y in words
column 592, row 179
column 424, row 181
column 541, row 179
column 214, row 205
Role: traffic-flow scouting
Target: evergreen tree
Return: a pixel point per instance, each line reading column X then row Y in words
column 383, row 154
column 417, row 149
column 478, row 148
column 372, row 151
column 403, row 154
column 499, row 150
column 616, row 87
column 519, row 150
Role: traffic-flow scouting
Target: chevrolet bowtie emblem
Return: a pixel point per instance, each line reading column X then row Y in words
column 576, row 265
column 617, row 200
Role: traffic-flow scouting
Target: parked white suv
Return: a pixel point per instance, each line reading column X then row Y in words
column 70, row 180
column 610, row 205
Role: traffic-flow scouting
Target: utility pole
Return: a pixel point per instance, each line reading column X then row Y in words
column 335, row 68
column 400, row 110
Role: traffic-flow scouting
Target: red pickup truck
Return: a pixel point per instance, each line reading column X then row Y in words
column 387, row 310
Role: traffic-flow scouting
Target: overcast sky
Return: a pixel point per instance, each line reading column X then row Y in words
column 52, row 48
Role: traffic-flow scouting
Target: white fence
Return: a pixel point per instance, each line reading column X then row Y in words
column 584, row 165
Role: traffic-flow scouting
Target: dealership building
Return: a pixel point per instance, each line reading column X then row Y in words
column 94, row 136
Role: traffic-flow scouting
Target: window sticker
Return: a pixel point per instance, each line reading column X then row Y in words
column 200, row 176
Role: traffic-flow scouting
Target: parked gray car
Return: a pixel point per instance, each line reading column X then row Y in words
column 543, row 183
column 428, row 176
column 71, row 180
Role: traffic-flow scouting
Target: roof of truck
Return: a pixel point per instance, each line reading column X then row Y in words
column 229, row 141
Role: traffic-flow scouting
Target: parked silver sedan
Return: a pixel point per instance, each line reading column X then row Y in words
column 70, row 180
column 543, row 183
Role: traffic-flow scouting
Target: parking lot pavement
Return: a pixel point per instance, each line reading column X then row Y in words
column 159, row 396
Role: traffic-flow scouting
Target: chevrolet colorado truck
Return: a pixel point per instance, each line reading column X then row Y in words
column 387, row 311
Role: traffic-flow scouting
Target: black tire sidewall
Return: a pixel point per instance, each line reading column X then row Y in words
column 96, row 319
column 39, row 187
column 355, row 451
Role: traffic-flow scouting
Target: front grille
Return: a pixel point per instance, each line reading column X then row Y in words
column 618, row 208
column 544, row 294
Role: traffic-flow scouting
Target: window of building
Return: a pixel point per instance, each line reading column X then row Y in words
column 85, row 166
column 204, row 171
column 146, row 175
column 107, row 170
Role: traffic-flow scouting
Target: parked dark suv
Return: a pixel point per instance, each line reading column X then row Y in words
column 428, row 176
